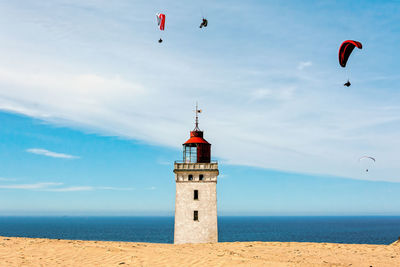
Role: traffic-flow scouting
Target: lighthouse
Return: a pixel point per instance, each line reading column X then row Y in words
column 196, row 191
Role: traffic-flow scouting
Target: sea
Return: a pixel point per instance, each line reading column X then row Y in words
column 332, row 229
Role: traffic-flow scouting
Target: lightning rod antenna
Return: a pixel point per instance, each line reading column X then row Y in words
column 197, row 117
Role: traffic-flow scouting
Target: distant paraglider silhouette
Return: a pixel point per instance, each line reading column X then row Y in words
column 367, row 160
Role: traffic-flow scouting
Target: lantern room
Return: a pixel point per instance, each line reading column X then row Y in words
column 196, row 149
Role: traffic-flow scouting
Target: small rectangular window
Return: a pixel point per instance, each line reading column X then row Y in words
column 195, row 215
column 201, row 177
column 190, row 177
column 196, row 194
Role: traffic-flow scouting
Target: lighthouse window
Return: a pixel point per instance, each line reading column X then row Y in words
column 201, row 176
column 190, row 154
column 196, row 194
column 190, row 177
column 195, row 215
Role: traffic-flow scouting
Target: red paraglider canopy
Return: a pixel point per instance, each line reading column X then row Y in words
column 345, row 50
column 161, row 21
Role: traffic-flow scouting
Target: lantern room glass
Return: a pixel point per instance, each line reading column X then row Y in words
column 189, row 154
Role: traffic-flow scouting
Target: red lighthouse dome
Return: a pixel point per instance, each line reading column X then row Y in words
column 196, row 149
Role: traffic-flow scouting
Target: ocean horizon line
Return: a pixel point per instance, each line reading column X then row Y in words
column 219, row 216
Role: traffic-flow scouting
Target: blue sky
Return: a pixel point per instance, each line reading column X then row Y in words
column 94, row 111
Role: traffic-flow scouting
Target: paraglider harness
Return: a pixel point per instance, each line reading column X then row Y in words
column 204, row 23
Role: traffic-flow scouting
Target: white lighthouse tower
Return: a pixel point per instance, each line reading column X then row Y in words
column 196, row 191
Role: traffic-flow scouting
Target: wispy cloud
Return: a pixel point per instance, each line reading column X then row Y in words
column 30, row 186
column 88, row 188
column 58, row 187
column 277, row 94
column 115, row 188
column 70, row 189
column 304, row 64
column 47, row 153
column 7, row 179
column 152, row 188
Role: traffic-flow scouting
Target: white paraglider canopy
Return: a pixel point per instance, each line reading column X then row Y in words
column 366, row 162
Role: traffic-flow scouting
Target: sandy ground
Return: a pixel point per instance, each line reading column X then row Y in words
column 48, row 252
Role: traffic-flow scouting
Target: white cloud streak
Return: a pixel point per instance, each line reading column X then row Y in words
column 70, row 189
column 87, row 188
column 7, row 179
column 30, row 186
column 58, row 187
column 115, row 188
column 47, row 153
column 304, row 64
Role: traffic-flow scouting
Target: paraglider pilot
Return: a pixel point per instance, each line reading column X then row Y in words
column 160, row 41
column 204, row 23
column 348, row 83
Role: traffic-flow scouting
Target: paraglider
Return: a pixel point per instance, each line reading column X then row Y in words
column 345, row 51
column 160, row 23
column 367, row 160
column 204, row 23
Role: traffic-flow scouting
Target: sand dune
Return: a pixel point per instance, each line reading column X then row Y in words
column 48, row 252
